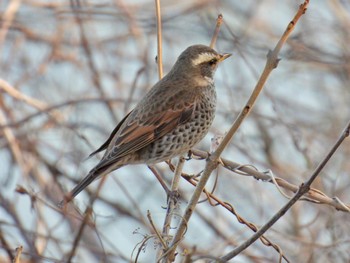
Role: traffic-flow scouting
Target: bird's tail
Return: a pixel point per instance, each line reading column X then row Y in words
column 92, row 176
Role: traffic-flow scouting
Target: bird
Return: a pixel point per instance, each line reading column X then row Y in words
column 168, row 121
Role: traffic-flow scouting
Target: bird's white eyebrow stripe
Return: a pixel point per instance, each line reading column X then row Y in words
column 202, row 58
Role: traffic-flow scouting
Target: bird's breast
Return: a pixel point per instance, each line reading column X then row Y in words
column 185, row 135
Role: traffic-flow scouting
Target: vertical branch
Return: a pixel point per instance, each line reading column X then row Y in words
column 217, row 30
column 7, row 18
column 172, row 199
column 172, row 202
column 159, row 40
column 13, row 144
column 17, row 258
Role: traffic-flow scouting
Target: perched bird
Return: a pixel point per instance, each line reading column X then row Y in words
column 173, row 116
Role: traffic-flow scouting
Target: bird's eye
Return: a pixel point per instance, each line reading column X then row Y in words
column 213, row 61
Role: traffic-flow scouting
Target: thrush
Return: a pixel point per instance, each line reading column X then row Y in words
column 172, row 117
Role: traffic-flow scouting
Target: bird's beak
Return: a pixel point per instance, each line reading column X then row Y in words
column 224, row 56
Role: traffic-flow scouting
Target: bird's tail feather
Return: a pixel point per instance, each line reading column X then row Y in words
column 92, row 176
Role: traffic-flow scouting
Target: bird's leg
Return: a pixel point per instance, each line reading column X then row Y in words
column 189, row 155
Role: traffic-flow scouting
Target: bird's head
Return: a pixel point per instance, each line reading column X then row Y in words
column 199, row 63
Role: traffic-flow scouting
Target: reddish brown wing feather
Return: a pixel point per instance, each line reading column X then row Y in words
column 108, row 141
column 135, row 136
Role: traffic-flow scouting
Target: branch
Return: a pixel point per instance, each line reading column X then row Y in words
column 17, row 258
column 240, row 219
column 77, row 239
column 172, row 202
column 313, row 195
column 159, row 40
column 304, row 188
column 217, row 30
column 271, row 63
column 7, row 19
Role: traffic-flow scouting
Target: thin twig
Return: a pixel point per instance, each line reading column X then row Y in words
column 172, row 202
column 304, row 188
column 5, row 245
column 160, row 238
column 240, row 219
column 159, row 178
column 48, row 110
column 37, row 104
column 142, row 245
column 87, row 216
column 7, row 19
column 13, row 144
column 17, row 258
column 175, row 183
column 217, row 30
column 313, row 194
column 159, row 40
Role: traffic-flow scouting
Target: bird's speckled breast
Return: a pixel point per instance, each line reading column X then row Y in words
column 186, row 135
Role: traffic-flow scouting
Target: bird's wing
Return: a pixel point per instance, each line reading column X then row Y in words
column 132, row 137
column 108, row 141
column 136, row 135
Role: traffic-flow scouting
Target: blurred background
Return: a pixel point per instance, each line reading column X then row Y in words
column 70, row 71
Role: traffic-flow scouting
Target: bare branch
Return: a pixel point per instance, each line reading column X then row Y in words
column 217, row 30
column 304, row 188
column 159, row 40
